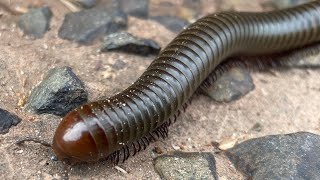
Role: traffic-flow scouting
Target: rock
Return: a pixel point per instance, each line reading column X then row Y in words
column 172, row 23
column 179, row 165
column 125, row 42
column 231, row 85
column 119, row 64
column 287, row 3
column 87, row 3
column 35, row 22
column 289, row 156
column 308, row 62
column 58, row 93
column 137, row 8
column 157, row 150
column 7, row 120
column 257, row 127
column 87, row 25
column 308, row 57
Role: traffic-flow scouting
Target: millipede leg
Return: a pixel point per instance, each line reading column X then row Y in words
column 124, row 154
column 144, row 144
column 139, row 145
column 152, row 137
column 134, row 149
column 128, row 154
column 117, row 154
column 157, row 133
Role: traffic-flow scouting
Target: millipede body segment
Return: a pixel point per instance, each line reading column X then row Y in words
column 125, row 123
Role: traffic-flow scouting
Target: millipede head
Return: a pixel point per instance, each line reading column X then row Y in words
column 72, row 141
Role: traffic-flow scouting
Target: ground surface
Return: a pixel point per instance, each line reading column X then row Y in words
column 282, row 102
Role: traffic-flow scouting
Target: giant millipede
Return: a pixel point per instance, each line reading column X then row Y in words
column 125, row 123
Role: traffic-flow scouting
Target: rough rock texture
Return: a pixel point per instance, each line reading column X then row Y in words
column 181, row 165
column 87, row 25
column 173, row 23
column 87, row 3
column 290, row 156
column 137, row 8
column 231, row 85
column 126, row 42
column 36, row 22
column 307, row 57
column 59, row 92
column 6, row 121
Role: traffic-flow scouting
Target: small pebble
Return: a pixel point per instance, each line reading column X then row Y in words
column 157, row 150
column 126, row 42
column 58, row 93
column 283, row 156
column 137, row 8
column 175, row 147
column 87, row 25
column 172, row 23
column 7, row 120
column 257, row 127
column 35, row 22
column 120, row 170
column 87, row 3
column 230, row 86
column 179, row 165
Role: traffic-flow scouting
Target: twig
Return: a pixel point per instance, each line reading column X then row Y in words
column 36, row 140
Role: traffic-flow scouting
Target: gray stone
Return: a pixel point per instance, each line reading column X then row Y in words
column 58, row 93
column 172, row 23
column 119, row 64
column 35, row 22
column 309, row 58
column 257, row 127
column 7, row 120
column 290, row 156
column 87, row 25
column 137, row 8
column 181, row 165
column 87, row 3
column 125, row 42
column 306, row 57
column 231, row 85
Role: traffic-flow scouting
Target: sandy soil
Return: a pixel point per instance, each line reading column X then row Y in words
column 282, row 102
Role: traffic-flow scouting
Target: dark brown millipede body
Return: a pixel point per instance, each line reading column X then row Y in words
column 125, row 123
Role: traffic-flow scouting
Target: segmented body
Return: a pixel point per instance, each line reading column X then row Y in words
column 139, row 114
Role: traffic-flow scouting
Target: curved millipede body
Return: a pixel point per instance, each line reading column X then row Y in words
column 127, row 122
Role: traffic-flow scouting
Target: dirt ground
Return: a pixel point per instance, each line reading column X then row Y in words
column 282, row 102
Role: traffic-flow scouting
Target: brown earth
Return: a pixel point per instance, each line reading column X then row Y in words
column 282, row 102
